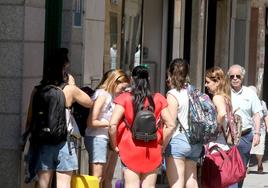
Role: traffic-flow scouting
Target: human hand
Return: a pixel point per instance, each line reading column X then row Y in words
column 105, row 121
column 256, row 139
column 116, row 149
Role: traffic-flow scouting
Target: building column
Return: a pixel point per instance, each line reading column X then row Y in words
column 94, row 21
column 260, row 50
column 178, row 29
column 11, row 55
column 239, row 36
column 198, row 42
column 222, row 41
column 22, row 26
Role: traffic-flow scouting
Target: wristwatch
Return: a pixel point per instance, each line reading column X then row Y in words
column 258, row 133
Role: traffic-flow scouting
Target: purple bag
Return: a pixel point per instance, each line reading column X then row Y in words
column 119, row 184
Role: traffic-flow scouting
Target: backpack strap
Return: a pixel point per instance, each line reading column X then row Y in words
column 127, row 124
column 229, row 110
column 62, row 85
column 181, row 128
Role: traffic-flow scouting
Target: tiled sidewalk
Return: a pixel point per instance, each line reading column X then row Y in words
column 254, row 180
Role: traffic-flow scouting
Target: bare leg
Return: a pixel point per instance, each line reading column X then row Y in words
column 149, row 180
column 64, row 179
column 190, row 174
column 175, row 172
column 96, row 169
column 132, row 179
column 45, row 178
column 109, row 170
column 259, row 161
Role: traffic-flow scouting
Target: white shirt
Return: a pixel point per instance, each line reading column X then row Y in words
column 248, row 104
column 106, row 114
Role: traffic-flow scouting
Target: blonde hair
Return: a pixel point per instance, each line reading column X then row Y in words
column 114, row 78
column 216, row 74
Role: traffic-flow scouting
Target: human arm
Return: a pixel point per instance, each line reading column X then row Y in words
column 93, row 118
column 257, row 120
column 169, row 126
column 81, row 97
column 256, row 114
column 169, row 116
column 116, row 117
column 266, row 122
column 265, row 114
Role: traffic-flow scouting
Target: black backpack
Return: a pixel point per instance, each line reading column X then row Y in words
column 81, row 113
column 144, row 126
column 48, row 115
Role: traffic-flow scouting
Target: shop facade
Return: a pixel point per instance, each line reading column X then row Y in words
column 107, row 34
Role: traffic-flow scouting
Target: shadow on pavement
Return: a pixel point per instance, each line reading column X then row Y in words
column 253, row 161
column 256, row 172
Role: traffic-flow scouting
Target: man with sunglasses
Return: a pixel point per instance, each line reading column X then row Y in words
column 249, row 108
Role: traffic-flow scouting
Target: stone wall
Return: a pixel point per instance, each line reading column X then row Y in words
column 21, row 53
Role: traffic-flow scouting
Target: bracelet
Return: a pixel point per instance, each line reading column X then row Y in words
column 257, row 133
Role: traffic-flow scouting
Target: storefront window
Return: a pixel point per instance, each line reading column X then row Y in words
column 132, row 35
column 123, row 25
column 112, row 38
column 77, row 13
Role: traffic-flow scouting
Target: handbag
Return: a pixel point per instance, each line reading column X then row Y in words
column 72, row 126
column 222, row 168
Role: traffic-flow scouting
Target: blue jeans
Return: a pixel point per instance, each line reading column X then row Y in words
column 97, row 148
column 244, row 148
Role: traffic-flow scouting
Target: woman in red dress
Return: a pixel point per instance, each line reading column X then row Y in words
column 140, row 159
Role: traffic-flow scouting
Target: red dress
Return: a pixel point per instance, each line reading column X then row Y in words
column 139, row 156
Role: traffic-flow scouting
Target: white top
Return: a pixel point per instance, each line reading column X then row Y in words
column 106, row 113
column 221, row 141
column 248, row 104
column 263, row 114
column 183, row 108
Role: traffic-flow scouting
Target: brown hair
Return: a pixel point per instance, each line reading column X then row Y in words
column 178, row 73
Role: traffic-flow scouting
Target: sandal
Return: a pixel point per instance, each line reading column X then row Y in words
column 260, row 169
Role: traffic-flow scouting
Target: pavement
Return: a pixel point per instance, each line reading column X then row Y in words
column 254, row 180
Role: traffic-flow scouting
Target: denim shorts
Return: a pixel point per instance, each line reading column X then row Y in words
column 179, row 147
column 58, row 157
column 97, row 148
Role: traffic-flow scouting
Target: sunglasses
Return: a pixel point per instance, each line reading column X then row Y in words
column 235, row 75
